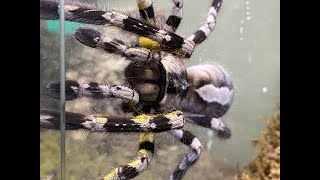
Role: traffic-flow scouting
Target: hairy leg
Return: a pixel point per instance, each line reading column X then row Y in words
column 175, row 17
column 146, row 10
column 194, row 144
column 204, row 31
column 84, row 13
column 215, row 124
column 50, row 119
column 92, row 90
column 139, row 164
column 95, row 39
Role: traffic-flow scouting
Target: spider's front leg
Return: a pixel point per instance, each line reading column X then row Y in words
column 120, row 123
column 95, row 39
column 92, row 90
column 83, row 13
column 194, row 144
column 50, row 119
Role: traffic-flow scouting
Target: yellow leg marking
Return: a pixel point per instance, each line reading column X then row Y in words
column 149, row 44
column 173, row 114
column 143, row 4
column 146, row 137
column 180, row 53
column 135, row 163
column 101, row 120
column 111, row 175
column 143, row 118
column 144, row 151
column 140, row 5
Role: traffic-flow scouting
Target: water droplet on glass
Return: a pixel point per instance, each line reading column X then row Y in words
column 264, row 89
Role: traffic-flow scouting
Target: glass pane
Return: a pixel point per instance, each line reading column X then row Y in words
column 245, row 41
column 49, row 72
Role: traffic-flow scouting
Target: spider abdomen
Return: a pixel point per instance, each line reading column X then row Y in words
column 210, row 90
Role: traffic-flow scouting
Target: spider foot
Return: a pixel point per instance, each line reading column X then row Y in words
column 224, row 132
column 88, row 36
column 72, row 89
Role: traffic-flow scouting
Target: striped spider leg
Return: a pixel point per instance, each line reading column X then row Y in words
column 175, row 17
column 221, row 129
column 84, row 13
column 149, row 124
column 146, row 11
column 185, row 136
column 200, row 35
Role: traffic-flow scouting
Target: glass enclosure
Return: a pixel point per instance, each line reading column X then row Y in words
column 245, row 41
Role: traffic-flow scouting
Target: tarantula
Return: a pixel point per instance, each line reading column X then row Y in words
column 161, row 93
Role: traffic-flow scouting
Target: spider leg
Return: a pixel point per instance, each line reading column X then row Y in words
column 139, row 164
column 92, row 90
column 175, row 17
column 95, row 39
column 200, row 35
column 84, row 13
column 194, row 144
column 222, row 130
column 50, row 119
column 146, row 10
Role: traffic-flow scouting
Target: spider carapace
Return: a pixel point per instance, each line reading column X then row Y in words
column 160, row 94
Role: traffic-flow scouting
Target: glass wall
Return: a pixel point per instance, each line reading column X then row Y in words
column 49, row 72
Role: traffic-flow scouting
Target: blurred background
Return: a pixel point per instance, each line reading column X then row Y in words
column 246, row 42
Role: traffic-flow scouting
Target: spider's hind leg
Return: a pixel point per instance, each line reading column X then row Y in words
column 194, row 144
column 139, row 164
column 222, row 130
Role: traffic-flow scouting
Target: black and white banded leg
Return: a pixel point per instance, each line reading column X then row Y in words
column 92, row 90
column 194, row 144
column 83, row 13
column 204, row 31
column 146, row 10
column 50, row 119
column 147, row 124
column 139, row 164
column 95, row 39
column 222, row 130
column 175, row 17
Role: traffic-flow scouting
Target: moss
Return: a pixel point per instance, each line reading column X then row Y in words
column 266, row 164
